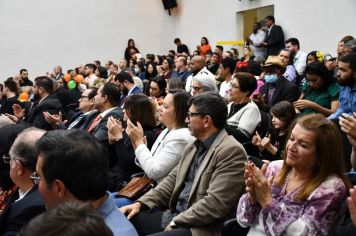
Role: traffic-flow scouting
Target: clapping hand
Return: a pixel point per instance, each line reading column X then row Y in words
column 18, row 111
column 115, row 130
column 53, row 119
column 249, row 166
column 258, row 187
column 135, row 133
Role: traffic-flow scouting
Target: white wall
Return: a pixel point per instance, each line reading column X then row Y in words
column 318, row 24
column 39, row 34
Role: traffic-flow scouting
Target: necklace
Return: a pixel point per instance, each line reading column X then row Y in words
column 284, row 189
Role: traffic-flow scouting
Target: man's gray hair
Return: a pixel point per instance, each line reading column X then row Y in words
column 24, row 148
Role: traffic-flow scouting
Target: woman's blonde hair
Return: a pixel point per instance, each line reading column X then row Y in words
column 328, row 154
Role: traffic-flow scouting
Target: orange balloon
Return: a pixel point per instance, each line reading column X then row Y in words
column 79, row 79
column 23, row 97
column 67, row 77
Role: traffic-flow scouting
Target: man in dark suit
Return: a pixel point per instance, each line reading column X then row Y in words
column 45, row 100
column 81, row 119
column 126, row 85
column 25, row 203
column 277, row 88
column 275, row 37
column 106, row 102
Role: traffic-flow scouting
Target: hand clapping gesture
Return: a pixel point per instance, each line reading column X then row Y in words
column 18, row 111
column 135, row 133
column 115, row 130
column 257, row 186
column 53, row 119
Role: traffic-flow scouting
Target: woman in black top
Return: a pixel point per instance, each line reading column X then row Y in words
column 138, row 108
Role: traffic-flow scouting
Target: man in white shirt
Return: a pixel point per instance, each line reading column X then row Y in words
column 226, row 69
column 90, row 74
column 256, row 38
column 198, row 69
column 300, row 57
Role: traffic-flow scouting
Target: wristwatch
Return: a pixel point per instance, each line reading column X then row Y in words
column 173, row 225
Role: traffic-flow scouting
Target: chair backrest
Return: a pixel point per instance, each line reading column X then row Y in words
column 264, row 125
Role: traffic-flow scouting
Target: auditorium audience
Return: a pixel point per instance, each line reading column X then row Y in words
column 314, row 190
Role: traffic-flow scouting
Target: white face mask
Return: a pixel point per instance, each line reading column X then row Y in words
column 137, row 70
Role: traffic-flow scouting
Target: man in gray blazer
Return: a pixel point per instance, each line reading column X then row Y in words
column 203, row 188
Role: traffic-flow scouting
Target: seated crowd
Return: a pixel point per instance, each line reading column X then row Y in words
column 268, row 139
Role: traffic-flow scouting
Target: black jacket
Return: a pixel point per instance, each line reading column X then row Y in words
column 125, row 154
column 275, row 40
column 35, row 114
column 19, row 213
column 284, row 91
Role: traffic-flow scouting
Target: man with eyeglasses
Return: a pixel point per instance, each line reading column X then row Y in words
column 25, row 203
column 82, row 119
column 203, row 188
column 73, row 166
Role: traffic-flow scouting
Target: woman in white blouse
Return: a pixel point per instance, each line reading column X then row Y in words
column 244, row 115
column 167, row 151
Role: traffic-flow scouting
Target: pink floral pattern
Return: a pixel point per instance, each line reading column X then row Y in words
column 318, row 215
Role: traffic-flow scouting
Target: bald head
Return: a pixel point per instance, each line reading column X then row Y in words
column 197, row 64
column 24, row 147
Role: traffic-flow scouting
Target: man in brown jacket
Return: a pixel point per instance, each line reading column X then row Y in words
column 203, row 188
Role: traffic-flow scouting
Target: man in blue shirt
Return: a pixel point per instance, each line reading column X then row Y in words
column 346, row 76
column 181, row 72
column 73, row 167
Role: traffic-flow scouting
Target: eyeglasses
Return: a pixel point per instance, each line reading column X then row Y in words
column 6, row 159
column 35, row 178
column 190, row 114
column 196, row 88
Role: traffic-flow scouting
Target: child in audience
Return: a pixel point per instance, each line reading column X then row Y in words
column 271, row 147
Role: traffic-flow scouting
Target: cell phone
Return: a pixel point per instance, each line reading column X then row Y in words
column 257, row 161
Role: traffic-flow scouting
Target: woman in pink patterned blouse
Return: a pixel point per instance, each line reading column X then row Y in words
column 305, row 194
